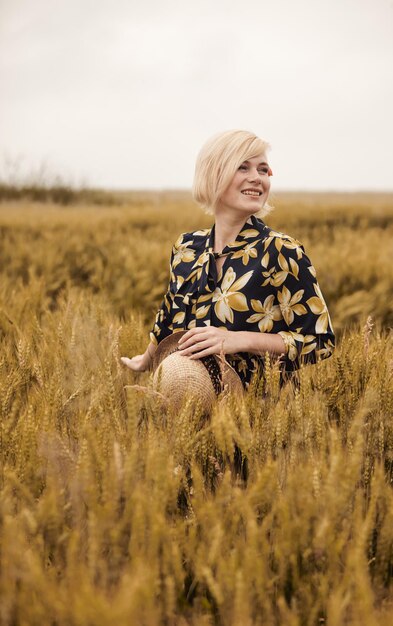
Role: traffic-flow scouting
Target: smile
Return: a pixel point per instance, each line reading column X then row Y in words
column 255, row 194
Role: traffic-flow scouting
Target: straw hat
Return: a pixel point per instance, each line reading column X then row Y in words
column 176, row 376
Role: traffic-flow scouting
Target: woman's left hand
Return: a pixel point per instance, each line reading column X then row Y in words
column 202, row 341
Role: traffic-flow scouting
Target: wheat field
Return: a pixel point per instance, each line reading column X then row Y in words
column 278, row 510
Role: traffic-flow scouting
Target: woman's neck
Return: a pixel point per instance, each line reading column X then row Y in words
column 227, row 227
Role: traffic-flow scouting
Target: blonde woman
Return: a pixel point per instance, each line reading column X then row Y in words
column 240, row 288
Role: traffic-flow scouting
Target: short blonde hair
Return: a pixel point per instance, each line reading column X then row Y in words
column 217, row 163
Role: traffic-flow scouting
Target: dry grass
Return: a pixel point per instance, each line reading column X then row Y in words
column 100, row 523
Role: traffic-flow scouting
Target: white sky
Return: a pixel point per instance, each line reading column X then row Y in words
column 124, row 93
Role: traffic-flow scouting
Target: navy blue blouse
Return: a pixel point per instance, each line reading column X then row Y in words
column 266, row 284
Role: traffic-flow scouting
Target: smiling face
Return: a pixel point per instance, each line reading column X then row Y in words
column 249, row 188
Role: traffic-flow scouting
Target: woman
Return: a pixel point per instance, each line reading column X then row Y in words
column 240, row 288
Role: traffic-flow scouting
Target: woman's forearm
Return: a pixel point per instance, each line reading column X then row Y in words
column 149, row 354
column 202, row 341
column 141, row 362
column 151, row 349
column 259, row 343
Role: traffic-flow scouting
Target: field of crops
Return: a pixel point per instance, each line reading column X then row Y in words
column 278, row 510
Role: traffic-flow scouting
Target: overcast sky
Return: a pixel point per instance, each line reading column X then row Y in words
column 123, row 93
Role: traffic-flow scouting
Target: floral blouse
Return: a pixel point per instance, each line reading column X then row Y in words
column 266, row 284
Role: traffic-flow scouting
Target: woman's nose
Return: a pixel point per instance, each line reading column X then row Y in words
column 254, row 175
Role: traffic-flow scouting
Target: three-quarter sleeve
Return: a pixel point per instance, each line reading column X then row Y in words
column 163, row 321
column 309, row 335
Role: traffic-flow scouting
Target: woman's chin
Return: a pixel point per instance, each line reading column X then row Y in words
column 252, row 208
column 249, row 208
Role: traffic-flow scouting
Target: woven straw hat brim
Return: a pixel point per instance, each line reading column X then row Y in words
column 177, row 378
column 176, row 375
column 166, row 347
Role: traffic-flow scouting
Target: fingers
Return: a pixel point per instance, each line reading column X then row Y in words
column 195, row 347
column 128, row 362
column 198, row 334
column 191, row 333
column 191, row 342
column 134, row 364
column 206, row 352
column 202, row 341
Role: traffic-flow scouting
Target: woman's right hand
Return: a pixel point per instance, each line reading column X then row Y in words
column 138, row 363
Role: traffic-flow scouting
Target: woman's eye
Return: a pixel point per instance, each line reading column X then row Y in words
column 261, row 170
